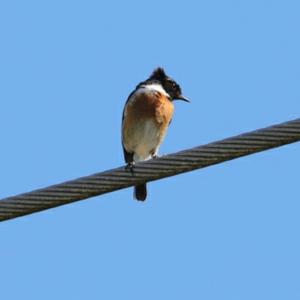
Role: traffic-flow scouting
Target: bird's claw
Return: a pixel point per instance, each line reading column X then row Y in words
column 130, row 166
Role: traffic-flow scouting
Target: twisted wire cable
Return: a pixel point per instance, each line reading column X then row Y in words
column 169, row 165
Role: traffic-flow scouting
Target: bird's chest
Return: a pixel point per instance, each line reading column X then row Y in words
column 153, row 105
column 146, row 119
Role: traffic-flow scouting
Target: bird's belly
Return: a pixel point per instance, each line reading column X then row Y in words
column 143, row 139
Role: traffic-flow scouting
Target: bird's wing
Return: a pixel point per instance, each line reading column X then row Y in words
column 128, row 157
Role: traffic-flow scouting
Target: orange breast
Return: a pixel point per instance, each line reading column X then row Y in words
column 146, row 119
column 155, row 106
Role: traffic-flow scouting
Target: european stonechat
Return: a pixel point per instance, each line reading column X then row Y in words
column 147, row 114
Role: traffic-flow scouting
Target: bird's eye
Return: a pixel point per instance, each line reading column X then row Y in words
column 172, row 84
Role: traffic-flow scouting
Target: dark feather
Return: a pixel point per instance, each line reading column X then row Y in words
column 140, row 192
column 158, row 74
column 128, row 156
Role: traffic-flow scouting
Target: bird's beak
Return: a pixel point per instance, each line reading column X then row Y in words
column 181, row 97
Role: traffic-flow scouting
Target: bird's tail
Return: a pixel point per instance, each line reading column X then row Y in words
column 140, row 192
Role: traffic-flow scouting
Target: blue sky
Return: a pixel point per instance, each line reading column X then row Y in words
column 230, row 231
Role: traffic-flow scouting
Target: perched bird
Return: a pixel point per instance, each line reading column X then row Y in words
column 147, row 114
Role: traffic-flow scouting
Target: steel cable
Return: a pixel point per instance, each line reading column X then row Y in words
column 169, row 165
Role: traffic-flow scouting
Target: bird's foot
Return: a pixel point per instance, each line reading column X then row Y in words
column 130, row 166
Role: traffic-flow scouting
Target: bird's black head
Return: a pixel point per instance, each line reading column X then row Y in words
column 168, row 83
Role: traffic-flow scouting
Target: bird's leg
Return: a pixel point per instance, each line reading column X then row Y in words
column 130, row 166
column 154, row 154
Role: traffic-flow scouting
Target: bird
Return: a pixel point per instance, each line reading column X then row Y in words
column 147, row 115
